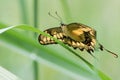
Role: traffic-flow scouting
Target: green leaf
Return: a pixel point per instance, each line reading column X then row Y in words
column 7, row 75
column 46, row 55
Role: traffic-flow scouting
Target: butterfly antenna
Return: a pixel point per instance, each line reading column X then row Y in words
column 53, row 16
column 101, row 47
column 59, row 17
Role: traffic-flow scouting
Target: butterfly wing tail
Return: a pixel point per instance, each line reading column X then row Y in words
column 103, row 48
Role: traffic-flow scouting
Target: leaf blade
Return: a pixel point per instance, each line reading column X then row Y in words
column 53, row 57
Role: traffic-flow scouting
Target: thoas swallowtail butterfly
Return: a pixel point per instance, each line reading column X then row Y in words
column 76, row 35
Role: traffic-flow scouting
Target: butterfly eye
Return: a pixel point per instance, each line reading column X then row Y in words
column 62, row 24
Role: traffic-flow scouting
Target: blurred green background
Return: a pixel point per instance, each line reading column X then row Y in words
column 102, row 15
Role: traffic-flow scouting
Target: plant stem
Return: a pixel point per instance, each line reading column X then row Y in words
column 35, row 24
column 35, row 21
column 36, row 71
column 24, row 16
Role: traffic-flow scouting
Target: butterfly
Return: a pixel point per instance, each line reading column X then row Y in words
column 76, row 35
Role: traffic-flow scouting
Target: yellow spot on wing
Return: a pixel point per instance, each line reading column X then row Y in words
column 77, row 32
column 48, row 39
column 54, row 36
column 73, row 43
column 44, row 39
column 61, row 35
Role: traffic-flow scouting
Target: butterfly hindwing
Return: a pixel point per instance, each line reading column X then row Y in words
column 55, row 32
